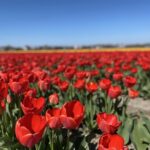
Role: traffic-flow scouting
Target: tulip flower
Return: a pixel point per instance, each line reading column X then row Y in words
column 29, row 129
column 79, row 84
column 55, row 80
column 3, row 76
column 15, row 87
column 134, row 70
column 133, row 93
column 80, row 74
column 32, row 105
column 108, row 123
column 19, row 86
column 3, row 90
column 94, row 73
column 129, row 81
column 69, row 72
column 91, row 87
column 30, row 92
column 118, row 76
column 43, row 85
column 111, row 142
column 40, row 74
column 9, row 99
column 72, row 114
column 53, row 99
column 105, row 84
column 114, row 91
column 53, row 118
column 63, row 85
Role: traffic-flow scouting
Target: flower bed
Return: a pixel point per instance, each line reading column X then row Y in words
column 73, row 101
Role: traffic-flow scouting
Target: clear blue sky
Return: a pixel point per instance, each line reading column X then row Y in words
column 74, row 22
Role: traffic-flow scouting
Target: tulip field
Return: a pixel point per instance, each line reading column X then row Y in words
column 74, row 101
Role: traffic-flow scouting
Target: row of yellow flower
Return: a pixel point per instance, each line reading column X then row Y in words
column 80, row 50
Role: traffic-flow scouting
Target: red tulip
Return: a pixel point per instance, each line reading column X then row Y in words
column 88, row 74
column 40, row 74
column 134, row 70
column 69, row 72
column 31, row 93
column 105, row 84
column 15, row 87
column 117, row 69
column 79, row 84
column 109, row 70
column 108, row 123
column 32, row 105
column 118, row 76
column 20, row 86
column 3, row 90
column 53, row 118
column 9, row 99
column 3, row 76
column 55, row 80
column 129, row 81
column 81, row 74
column 145, row 66
column 43, row 85
column 126, row 67
column 32, row 77
column 53, row 99
column 133, row 93
column 61, row 68
column 91, row 87
column 114, row 91
column 29, row 129
column 94, row 72
column 72, row 114
column 111, row 142
column 24, row 83
column 63, row 85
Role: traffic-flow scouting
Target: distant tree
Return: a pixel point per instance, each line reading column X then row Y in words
column 28, row 47
column 8, row 48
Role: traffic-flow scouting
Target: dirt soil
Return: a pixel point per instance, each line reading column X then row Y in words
column 139, row 105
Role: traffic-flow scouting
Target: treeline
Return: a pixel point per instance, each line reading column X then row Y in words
column 47, row 47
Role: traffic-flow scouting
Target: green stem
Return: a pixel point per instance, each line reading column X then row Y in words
column 125, row 107
column 59, row 142
column 2, row 129
column 67, row 143
column 91, row 111
column 36, row 147
column 106, row 102
column 52, row 140
column 71, row 91
column 107, row 105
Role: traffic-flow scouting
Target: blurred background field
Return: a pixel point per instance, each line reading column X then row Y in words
column 133, row 49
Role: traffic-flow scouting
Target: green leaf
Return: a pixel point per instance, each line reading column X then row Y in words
column 84, row 145
column 4, row 140
column 7, row 109
column 4, row 148
column 140, row 135
column 126, row 130
column 146, row 122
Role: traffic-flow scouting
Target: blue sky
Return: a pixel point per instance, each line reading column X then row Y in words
column 74, row 22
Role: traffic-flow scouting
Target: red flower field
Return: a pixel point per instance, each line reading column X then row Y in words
column 73, row 101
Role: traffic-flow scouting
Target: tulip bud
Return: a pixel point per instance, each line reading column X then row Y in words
column 53, row 99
